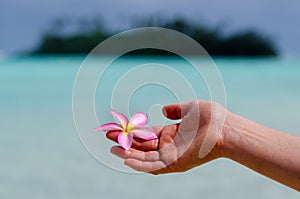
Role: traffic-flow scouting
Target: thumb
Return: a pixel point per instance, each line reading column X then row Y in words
column 176, row 111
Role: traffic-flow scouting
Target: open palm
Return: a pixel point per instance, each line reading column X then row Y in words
column 179, row 147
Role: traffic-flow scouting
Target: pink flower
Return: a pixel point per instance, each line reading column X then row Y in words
column 129, row 128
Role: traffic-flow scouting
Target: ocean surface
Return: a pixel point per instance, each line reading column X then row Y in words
column 42, row 156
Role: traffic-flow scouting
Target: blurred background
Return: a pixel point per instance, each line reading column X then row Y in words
column 43, row 43
column 24, row 24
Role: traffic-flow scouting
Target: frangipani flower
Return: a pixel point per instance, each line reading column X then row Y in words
column 129, row 128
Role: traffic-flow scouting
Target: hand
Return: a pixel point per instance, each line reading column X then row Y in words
column 208, row 131
column 197, row 139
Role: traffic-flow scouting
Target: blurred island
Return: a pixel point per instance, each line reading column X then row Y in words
column 89, row 33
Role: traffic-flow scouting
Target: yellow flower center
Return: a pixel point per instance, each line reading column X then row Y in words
column 129, row 128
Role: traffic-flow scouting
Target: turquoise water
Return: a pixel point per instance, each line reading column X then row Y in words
column 42, row 156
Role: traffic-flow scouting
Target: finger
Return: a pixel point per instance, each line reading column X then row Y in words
column 176, row 111
column 144, row 166
column 137, row 143
column 112, row 135
column 139, row 155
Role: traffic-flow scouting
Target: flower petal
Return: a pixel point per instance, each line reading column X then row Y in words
column 108, row 127
column 125, row 140
column 120, row 117
column 138, row 119
column 144, row 132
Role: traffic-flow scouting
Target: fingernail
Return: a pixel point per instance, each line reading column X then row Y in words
column 164, row 112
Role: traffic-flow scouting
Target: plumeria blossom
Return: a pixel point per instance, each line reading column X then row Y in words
column 129, row 128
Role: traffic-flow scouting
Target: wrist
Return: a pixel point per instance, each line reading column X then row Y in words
column 223, row 147
column 230, row 135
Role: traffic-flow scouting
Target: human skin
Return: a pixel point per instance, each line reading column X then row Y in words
column 269, row 152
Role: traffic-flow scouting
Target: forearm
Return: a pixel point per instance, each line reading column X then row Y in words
column 269, row 152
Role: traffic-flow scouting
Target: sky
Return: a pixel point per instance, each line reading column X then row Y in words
column 22, row 22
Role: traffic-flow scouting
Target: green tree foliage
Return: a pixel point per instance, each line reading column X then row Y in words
column 247, row 43
column 91, row 33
